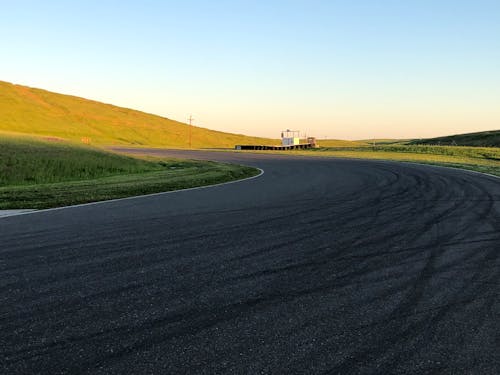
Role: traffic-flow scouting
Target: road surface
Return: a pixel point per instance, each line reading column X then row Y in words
column 318, row 266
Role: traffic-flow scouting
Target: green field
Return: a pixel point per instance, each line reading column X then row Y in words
column 36, row 174
column 479, row 139
column 339, row 143
column 25, row 110
column 480, row 159
column 382, row 141
column 480, row 156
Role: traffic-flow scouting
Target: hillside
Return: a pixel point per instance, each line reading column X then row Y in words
column 50, row 115
column 480, row 139
column 382, row 141
column 339, row 143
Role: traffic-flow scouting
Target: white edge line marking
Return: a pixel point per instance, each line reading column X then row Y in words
column 244, row 179
column 136, row 196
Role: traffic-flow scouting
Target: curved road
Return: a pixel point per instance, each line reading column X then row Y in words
column 318, row 266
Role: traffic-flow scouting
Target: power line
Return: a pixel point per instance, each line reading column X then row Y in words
column 190, row 119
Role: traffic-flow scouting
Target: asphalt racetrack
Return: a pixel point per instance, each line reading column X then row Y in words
column 317, row 266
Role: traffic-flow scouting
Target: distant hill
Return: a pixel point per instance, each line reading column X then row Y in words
column 56, row 116
column 480, row 139
column 382, row 141
column 339, row 143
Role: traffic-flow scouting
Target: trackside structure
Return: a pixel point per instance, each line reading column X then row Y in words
column 290, row 140
column 290, row 137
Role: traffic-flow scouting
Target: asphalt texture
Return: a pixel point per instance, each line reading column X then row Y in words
column 318, row 266
column 12, row 212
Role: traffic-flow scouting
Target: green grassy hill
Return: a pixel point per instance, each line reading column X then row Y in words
column 480, row 139
column 50, row 115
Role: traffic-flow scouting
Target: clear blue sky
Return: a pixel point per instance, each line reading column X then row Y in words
column 342, row 69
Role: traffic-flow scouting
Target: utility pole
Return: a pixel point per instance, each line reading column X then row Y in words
column 190, row 119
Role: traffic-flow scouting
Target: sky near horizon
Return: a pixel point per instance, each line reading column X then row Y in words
column 338, row 69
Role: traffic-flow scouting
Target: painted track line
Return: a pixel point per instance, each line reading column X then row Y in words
column 136, row 196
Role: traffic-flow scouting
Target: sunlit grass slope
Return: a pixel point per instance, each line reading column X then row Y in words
column 38, row 112
column 37, row 174
column 479, row 139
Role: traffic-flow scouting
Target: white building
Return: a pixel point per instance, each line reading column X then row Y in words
column 290, row 137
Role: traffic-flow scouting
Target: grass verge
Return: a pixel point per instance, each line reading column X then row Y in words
column 479, row 159
column 35, row 174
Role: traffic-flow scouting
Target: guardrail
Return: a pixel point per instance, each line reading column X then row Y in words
column 283, row 148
